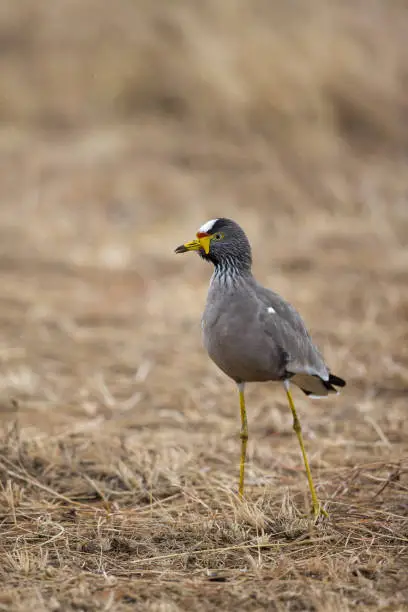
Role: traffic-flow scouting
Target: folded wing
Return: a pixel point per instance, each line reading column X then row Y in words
column 304, row 364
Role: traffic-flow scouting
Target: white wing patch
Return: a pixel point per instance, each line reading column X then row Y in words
column 207, row 227
column 271, row 310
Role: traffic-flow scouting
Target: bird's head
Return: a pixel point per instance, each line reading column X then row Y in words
column 222, row 242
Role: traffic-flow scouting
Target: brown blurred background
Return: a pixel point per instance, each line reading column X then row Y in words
column 123, row 127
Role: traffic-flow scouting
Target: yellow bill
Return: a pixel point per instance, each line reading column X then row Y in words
column 202, row 242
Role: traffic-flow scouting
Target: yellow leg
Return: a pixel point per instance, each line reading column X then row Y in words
column 244, row 438
column 317, row 509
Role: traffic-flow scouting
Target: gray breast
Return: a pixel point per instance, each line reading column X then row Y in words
column 234, row 335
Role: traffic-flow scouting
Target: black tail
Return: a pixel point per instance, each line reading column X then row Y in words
column 330, row 385
column 336, row 381
column 311, row 384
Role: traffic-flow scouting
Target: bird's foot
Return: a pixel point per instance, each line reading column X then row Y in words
column 318, row 511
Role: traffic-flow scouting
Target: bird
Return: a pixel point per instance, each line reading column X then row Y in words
column 254, row 335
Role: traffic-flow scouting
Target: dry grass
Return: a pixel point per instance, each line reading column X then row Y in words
column 123, row 130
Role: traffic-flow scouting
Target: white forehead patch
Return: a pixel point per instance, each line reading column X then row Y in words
column 207, row 227
column 271, row 310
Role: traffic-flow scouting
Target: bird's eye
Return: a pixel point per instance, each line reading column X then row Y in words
column 218, row 236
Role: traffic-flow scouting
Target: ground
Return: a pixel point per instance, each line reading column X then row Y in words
column 119, row 449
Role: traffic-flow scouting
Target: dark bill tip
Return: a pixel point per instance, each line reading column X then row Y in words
column 181, row 249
